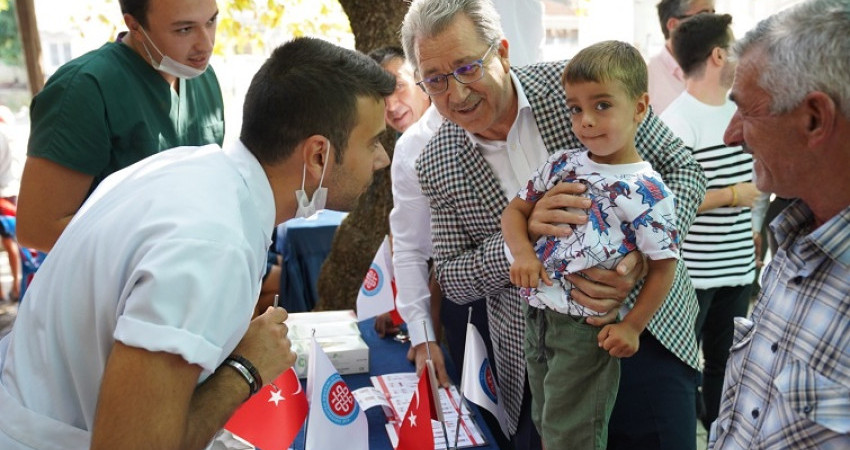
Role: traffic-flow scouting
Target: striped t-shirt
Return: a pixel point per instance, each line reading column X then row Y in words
column 718, row 250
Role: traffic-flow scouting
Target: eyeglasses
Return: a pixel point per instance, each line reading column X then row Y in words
column 704, row 11
column 467, row 74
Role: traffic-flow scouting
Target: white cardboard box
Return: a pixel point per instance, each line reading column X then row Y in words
column 338, row 335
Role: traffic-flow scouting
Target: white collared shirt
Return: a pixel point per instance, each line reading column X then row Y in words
column 166, row 255
column 516, row 158
column 410, row 225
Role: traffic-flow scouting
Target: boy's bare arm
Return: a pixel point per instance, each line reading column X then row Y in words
column 621, row 339
column 526, row 269
column 515, row 226
column 655, row 289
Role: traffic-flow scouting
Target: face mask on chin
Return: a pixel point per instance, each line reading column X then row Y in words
column 170, row 66
column 308, row 207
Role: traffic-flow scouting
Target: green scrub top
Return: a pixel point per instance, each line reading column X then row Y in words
column 109, row 108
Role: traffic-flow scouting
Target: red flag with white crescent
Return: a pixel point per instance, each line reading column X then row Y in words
column 272, row 417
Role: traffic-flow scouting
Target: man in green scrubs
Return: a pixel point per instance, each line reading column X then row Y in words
column 150, row 91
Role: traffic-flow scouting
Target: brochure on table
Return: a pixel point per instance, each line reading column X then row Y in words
column 394, row 391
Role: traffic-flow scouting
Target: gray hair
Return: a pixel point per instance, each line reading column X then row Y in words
column 807, row 49
column 428, row 18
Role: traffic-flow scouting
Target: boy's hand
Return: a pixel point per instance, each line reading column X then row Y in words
column 621, row 340
column 527, row 271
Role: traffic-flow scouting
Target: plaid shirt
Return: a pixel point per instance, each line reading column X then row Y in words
column 787, row 382
column 467, row 203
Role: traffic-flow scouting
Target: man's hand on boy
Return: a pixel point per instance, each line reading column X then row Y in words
column 550, row 211
column 604, row 290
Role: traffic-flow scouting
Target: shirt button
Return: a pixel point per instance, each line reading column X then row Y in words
column 807, row 409
column 755, row 413
column 797, row 280
column 774, row 347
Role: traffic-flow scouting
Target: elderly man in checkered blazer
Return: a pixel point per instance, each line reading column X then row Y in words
column 502, row 123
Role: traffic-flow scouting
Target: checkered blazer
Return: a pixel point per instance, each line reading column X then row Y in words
column 467, row 202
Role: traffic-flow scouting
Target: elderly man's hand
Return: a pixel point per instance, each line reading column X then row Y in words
column 550, row 211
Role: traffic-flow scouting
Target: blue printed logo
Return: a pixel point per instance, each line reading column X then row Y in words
column 338, row 403
column 486, row 380
column 373, row 282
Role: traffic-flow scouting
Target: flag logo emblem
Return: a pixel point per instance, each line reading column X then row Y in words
column 373, row 282
column 488, row 383
column 338, row 403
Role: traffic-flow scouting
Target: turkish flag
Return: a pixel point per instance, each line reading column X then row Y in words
column 273, row 416
column 416, row 432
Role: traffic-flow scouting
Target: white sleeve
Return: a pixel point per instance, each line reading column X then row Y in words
column 181, row 304
column 679, row 126
column 410, row 226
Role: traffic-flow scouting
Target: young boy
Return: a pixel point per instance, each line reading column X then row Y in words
column 573, row 369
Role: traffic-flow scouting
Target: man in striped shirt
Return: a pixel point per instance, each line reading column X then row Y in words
column 719, row 250
column 787, row 383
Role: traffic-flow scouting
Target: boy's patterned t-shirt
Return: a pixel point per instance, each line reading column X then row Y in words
column 631, row 209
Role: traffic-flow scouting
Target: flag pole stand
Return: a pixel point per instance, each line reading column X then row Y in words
column 429, row 366
column 460, row 390
column 307, row 421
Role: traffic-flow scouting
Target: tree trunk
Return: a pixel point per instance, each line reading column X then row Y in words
column 31, row 44
column 375, row 23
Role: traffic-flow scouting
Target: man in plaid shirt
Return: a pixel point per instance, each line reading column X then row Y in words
column 502, row 123
column 787, row 382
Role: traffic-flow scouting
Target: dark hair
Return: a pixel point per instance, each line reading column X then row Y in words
column 668, row 9
column 136, row 8
column 384, row 55
column 695, row 38
column 609, row 61
column 308, row 86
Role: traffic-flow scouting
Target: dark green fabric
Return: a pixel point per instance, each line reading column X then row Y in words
column 109, row 108
column 573, row 381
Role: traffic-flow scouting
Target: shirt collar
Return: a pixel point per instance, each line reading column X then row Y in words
column 255, row 179
column 832, row 238
column 672, row 66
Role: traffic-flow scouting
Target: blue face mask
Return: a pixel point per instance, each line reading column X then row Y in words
column 170, row 66
column 308, row 207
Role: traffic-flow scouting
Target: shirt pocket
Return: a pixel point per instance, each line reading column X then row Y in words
column 813, row 396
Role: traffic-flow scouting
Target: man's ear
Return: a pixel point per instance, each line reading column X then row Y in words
column 672, row 23
column 315, row 155
column 718, row 54
column 133, row 26
column 503, row 54
column 821, row 112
